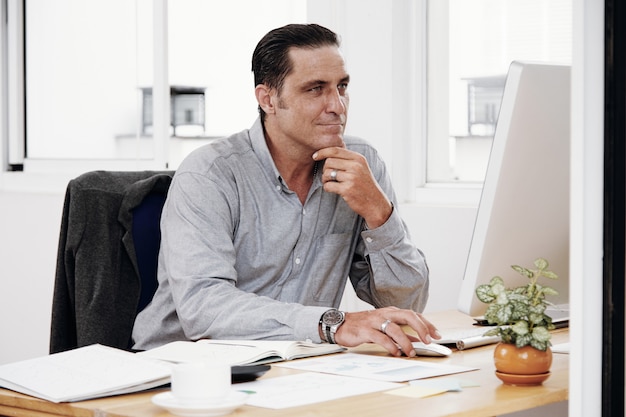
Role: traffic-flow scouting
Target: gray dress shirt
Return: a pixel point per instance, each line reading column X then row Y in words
column 242, row 258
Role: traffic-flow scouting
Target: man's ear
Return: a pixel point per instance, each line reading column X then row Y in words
column 264, row 97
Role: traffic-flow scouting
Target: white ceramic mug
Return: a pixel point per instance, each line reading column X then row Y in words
column 201, row 382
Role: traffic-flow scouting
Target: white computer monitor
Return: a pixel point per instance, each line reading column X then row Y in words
column 524, row 206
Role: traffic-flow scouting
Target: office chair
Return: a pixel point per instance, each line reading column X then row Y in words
column 146, row 241
column 107, row 256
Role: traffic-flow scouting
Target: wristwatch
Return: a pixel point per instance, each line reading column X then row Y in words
column 330, row 322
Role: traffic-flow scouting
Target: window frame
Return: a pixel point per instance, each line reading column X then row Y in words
column 13, row 70
column 13, row 153
column 18, row 173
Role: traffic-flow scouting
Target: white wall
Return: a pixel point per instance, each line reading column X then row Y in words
column 586, row 216
column 29, row 230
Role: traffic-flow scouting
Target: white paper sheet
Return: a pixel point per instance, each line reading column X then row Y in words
column 375, row 367
column 88, row 372
column 307, row 388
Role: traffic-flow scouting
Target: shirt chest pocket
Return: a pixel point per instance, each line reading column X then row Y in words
column 332, row 264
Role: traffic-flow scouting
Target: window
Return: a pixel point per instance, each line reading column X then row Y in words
column 476, row 40
column 91, row 69
column 86, row 62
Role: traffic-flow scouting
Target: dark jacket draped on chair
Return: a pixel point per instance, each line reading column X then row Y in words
column 97, row 287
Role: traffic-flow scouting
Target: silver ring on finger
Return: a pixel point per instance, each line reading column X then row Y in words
column 333, row 175
column 383, row 327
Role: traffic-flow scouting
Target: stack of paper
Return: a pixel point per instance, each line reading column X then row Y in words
column 88, row 372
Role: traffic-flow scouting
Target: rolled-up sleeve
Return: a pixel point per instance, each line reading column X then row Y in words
column 391, row 271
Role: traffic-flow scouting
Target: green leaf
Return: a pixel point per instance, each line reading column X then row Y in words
column 497, row 287
column 537, row 309
column 541, row 334
column 493, row 332
column 524, row 340
column 503, row 314
column 520, row 328
column 520, row 302
column 496, row 280
column 541, row 264
column 507, row 336
column 502, row 298
column 515, row 296
column 535, row 318
column 549, row 291
column 549, row 274
column 539, row 345
column 523, row 271
column 492, row 313
column 483, row 292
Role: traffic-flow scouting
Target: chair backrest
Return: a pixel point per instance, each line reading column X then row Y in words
column 107, row 257
column 147, row 238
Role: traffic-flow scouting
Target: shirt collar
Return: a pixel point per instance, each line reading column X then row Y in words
column 259, row 146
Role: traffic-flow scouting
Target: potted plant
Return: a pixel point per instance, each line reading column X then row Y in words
column 523, row 357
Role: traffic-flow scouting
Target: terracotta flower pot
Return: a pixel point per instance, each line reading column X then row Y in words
column 522, row 366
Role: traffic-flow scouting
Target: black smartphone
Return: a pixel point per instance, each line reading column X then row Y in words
column 245, row 373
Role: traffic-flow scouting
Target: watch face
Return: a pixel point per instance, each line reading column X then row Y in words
column 332, row 317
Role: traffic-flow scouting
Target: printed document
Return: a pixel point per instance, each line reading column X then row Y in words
column 382, row 368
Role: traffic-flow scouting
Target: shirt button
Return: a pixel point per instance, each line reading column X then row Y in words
column 278, row 188
column 369, row 239
column 297, row 261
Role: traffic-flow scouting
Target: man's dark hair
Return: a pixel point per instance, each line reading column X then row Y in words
column 270, row 60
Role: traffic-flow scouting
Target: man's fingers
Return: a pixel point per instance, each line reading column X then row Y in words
column 333, row 152
column 399, row 339
column 426, row 331
column 384, row 327
column 425, row 328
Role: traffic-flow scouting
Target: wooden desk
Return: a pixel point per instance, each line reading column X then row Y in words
column 491, row 398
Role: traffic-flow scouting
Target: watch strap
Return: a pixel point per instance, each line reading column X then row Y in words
column 330, row 337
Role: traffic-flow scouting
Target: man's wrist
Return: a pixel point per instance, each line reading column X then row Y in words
column 381, row 219
column 329, row 324
column 320, row 327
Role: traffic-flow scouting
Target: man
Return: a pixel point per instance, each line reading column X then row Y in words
column 261, row 230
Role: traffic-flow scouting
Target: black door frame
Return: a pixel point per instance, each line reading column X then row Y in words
column 614, row 235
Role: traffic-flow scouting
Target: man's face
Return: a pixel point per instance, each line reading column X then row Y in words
column 312, row 107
